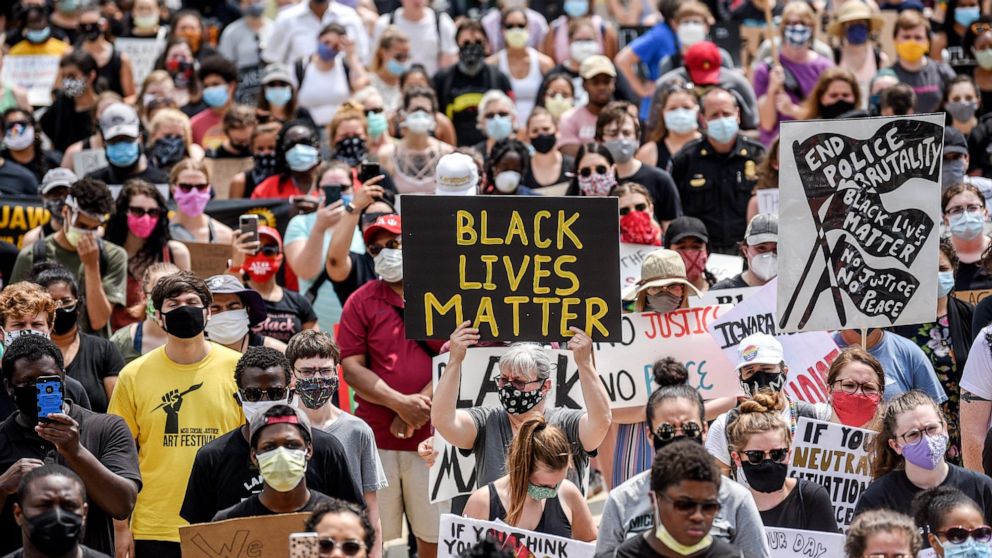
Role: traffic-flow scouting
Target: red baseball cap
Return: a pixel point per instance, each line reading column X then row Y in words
column 272, row 233
column 702, row 60
column 390, row 223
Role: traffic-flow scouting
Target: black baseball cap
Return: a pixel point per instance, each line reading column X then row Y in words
column 954, row 141
column 683, row 227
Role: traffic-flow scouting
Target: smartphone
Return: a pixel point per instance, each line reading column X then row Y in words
column 367, row 171
column 249, row 223
column 304, row 545
column 332, row 193
column 50, row 395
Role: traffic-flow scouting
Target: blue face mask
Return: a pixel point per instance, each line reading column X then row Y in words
column 123, row 154
column 325, row 52
column 395, row 67
column 967, row 226
column 38, row 36
column 278, row 96
column 346, row 198
column 945, row 283
column 966, row 16
column 215, row 96
column 302, row 157
column 499, row 127
column 722, row 130
column 970, row 548
column 576, row 8
column 857, row 34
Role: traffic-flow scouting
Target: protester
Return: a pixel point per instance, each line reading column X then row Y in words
column 297, row 158
column 906, row 365
column 912, row 67
column 559, row 44
column 170, row 139
column 965, row 214
column 242, row 40
column 376, row 119
column 760, row 250
column 882, row 532
column 22, row 145
column 189, row 184
column 577, row 126
column 94, row 139
column 54, row 189
column 120, row 130
column 263, row 152
column 497, row 120
column 296, row 30
column 519, row 58
column 856, row 27
column 351, row 259
column 347, row 134
column 961, row 103
column 219, row 77
column 278, row 100
column 688, row 237
column 238, row 126
column 330, row 75
column 549, row 168
column 952, row 522
column 637, row 222
column 113, row 66
column 69, row 119
column 344, row 526
column 234, row 311
column 412, row 160
column 663, row 286
column 677, row 124
column 835, row 93
column 146, row 335
column 855, row 385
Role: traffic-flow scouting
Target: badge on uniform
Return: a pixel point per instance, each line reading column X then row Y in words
column 697, row 181
column 750, row 170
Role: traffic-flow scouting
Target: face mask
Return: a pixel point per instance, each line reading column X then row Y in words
column 282, row 468
column 952, row 172
column 265, row 165
column 597, row 184
column 68, row 5
column 184, row 322
column 690, row 33
column 945, row 283
column 351, row 150
column 149, row 307
column 928, row 452
column 302, row 157
column 543, row 143
column 143, row 226
column 11, row 336
column 228, row 327
column 541, row 492
column 145, row 22
column 389, row 265
column 764, row 266
column 255, row 409
column 37, row 36
column 966, row 16
column 722, row 130
column 663, row 303
column 73, row 87
column 193, row 202
column 682, row 121
column 74, row 234
column 260, row 268
column 580, row 50
column 911, row 51
column 669, row 541
column 984, row 58
column 970, row 548
column 517, row 402
column 326, row 53
column 622, row 149
column 507, row 182
column 278, row 96
column 395, row 67
column 65, row 319
column 377, row 124
column 499, row 127
column 637, row 227
column 54, row 207
column 315, row 392
column 558, row 104
column 967, row 226
column 19, row 138
column 123, row 154
column 962, row 111
column 168, row 151
column 695, row 263
column 857, row 34
column 854, row 409
column 90, row 32
column 55, row 532
column 766, row 476
column 763, row 380
column 215, row 96
column 516, row 38
column 836, row 109
column 576, row 8
column 419, row 122
column 797, row 35
column 471, row 58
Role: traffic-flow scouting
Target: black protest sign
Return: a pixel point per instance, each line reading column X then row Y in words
column 520, row 268
column 18, row 215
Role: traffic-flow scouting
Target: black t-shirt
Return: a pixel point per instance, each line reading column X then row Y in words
column 223, row 476
column 115, row 175
column 735, row 282
column 894, row 491
column 16, row 180
column 807, row 507
column 253, row 507
column 221, row 152
column 286, row 317
column 87, row 553
column 982, row 316
column 65, row 125
column 96, row 359
column 362, row 271
column 455, row 90
column 638, row 547
column 567, row 166
column 667, row 205
column 44, row 161
column 971, row 277
column 107, row 437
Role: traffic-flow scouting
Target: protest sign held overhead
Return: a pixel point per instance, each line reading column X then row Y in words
column 519, row 268
column 860, row 203
column 458, row 534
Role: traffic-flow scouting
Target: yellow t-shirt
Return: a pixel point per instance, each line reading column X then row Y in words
column 51, row 47
column 172, row 410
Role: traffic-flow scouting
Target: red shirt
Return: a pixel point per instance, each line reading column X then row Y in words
column 276, row 186
column 208, row 130
column 372, row 325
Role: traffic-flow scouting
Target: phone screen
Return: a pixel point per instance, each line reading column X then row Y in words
column 368, row 171
column 331, row 194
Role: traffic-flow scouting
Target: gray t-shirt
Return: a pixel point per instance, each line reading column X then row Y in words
column 628, row 513
column 363, row 455
column 927, row 83
column 494, row 434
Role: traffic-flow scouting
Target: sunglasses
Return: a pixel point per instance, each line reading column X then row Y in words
column 502, row 114
column 755, row 457
column 254, row 395
column 587, row 172
column 637, row 207
column 379, row 110
column 141, row 211
column 187, row 187
column 392, row 244
column 668, row 432
column 18, row 124
column 515, row 26
column 687, row 506
column 958, row 535
column 518, row 385
column 369, row 218
column 349, row 547
column 269, row 250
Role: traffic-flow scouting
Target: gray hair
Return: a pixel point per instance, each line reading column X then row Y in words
column 525, row 357
column 492, row 96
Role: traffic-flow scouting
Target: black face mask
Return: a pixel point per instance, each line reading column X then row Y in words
column 184, row 322
column 55, row 208
column 471, row 58
column 544, row 143
column 55, row 532
column 766, row 476
column 65, row 319
column 265, row 166
column 836, row 109
column 26, row 400
column 168, row 151
column 242, row 149
column 351, row 150
column 90, row 32
column 763, row 380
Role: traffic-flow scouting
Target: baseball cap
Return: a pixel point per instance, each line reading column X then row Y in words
column 659, row 269
column 271, row 233
column 683, row 227
column 456, row 175
column 954, row 141
column 759, row 348
column 59, row 176
column 390, row 222
column 228, row 284
column 595, row 65
column 702, row 61
column 762, row 228
column 276, row 72
column 119, row 120
column 296, row 418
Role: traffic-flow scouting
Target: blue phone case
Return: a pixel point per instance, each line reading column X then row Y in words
column 49, row 397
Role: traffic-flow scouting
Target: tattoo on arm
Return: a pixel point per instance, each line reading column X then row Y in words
column 971, row 397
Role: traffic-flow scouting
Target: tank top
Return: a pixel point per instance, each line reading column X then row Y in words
column 524, row 89
column 322, row 93
column 553, row 520
column 111, row 73
column 414, row 179
column 560, row 29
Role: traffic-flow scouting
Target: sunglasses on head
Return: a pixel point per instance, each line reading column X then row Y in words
column 958, row 535
column 755, row 457
column 348, row 547
column 141, row 211
column 637, row 207
column 587, row 171
column 668, row 432
column 370, row 217
column 254, row 395
column 186, row 188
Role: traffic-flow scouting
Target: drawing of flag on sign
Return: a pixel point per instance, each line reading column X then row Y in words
column 859, row 203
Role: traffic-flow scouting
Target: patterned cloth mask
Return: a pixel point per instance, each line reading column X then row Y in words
column 517, row 402
column 315, row 392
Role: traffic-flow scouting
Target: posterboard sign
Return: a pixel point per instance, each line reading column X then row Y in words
column 520, row 268
column 458, row 534
column 208, row 259
column 720, row 297
column 808, row 354
column 768, row 200
column 631, row 258
column 35, row 73
column 972, row 297
column 89, row 160
column 836, row 457
column 682, row 335
column 858, row 227
column 789, row 543
column 247, row 537
column 143, row 53
column 723, row 266
column 222, row 171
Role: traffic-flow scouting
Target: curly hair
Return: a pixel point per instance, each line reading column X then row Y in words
column 176, row 284
column 501, row 149
column 30, row 348
column 760, row 414
column 117, row 229
column 92, row 196
column 336, row 506
column 25, row 299
column 932, row 506
column 683, row 461
column 873, row 522
column 262, row 358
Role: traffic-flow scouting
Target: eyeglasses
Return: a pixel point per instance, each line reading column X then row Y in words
column 141, row 211
column 311, row 372
column 668, row 432
column 254, row 395
column 392, row 244
column 980, row 28
column 686, row 506
column 587, row 171
column 18, row 124
column 269, row 250
column 187, row 187
column 914, row 436
column 378, row 110
column 959, row 209
column 958, row 535
column 349, row 547
column 637, row 207
column 519, row 385
column 515, row 26
column 851, row 387
column 755, row 457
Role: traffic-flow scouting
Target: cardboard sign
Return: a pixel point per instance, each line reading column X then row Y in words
column 18, row 215
column 768, row 200
column 458, row 534
column 858, row 227
column 683, row 335
column 808, row 354
column 972, row 297
column 721, row 297
column 555, row 190
column 222, row 171
column 143, row 53
column 248, row 537
column 208, row 259
column 35, row 73
column 89, row 160
column 789, row 543
column 836, row 457
column 520, row 268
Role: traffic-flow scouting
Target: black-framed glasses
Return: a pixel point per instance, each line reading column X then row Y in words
column 914, row 436
column 519, row 385
column 349, row 547
column 668, row 432
column 311, row 372
column 958, row 535
column 637, row 207
column 851, row 387
column 269, row 250
column 755, row 457
column 687, row 506
column 392, row 244
column 587, row 171
column 141, row 211
column 186, row 187
column 254, row 395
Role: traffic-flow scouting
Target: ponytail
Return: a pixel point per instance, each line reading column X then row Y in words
column 536, row 443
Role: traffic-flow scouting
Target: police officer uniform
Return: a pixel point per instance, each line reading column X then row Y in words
column 716, row 187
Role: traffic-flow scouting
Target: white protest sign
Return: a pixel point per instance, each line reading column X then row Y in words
column 631, row 256
column 768, row 200
column 89, row 160
column 143, row 53
column 36, row 73
column 858, row 227
column 789, row 543
column 807, row 354
column 838, row 458
column 722, row 296
column 723, row 266
column 458, row 534
column 453, row 472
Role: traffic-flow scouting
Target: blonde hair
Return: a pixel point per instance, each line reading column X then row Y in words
column 349, row 110
column 690, row 8
column 188, row 164
column 390, row 37
column 171, row 116
column 536, row 443
column 802, row 10
column 762, row 413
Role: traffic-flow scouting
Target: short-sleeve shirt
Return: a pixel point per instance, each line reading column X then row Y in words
column 96, row 360
column 429, row 43
column 253, row 507
column 927, row 83
column 458, row 96
column 362, row 271
column 807, row 507
column 16, row 180
column 363, row 455
column 906, row 367
column 577, row 126
column 286, row 316
column 652, row 47
column 977, row 375
column 894, row 490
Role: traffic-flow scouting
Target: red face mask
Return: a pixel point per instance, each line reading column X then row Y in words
column 854, row 409
column 260, row 268
column 695, row 263
column 637, row 227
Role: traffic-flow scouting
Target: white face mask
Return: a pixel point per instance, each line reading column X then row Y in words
column 507, row 182
column 580, row 50
column 227, row 327
column 764, row 266
column 690, row 33
column 389, row 265
column 255, row 409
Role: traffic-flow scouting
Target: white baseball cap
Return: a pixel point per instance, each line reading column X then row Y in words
column 456, row 175
column 759, row 348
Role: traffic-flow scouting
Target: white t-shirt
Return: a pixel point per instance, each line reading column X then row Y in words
column 322, row 93
column 423, row 35
column 295, row 32
column 977, row 374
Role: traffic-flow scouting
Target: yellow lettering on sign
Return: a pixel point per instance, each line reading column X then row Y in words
column 546, row 303
column 489, row 260
column 464, row 283
column 515, row 279
column 516, row 229
column 539, row 273
column 515, row 302
column 18, row 220
column 567, row 315
column 485, row 315
column 432, row 304
column 464, row 227
column 538, row 241
column 565, row 274
column 596, row 308
column 484, row 225
column 564, row 229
